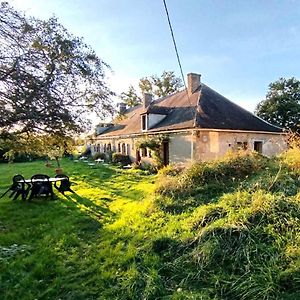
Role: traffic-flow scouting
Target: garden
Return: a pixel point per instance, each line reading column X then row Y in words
column 227, row 229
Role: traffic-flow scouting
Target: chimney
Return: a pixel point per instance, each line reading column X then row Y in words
column 122, row 108
column 147, row 99
column 193, row 82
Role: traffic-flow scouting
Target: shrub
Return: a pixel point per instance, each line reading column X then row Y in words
column 234, row 167
column 118, row 158
column 150, row 168
column 171, row 170
column 292, row 159
column 86, row 152
column 99, row 155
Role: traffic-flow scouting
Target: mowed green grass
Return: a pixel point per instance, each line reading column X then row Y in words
column 69, row 248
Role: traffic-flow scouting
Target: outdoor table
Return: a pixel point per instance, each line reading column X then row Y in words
column 127, row 167
column 99, row 160
column 44, row 180
column 51, row 179
column 83, row 158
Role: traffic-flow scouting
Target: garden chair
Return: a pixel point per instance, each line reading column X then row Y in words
column 63, row 185
column 41, row 186
column 18, row 188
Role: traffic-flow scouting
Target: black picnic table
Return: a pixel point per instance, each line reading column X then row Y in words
column 38, row 185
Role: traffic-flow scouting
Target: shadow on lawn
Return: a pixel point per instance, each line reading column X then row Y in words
column 89, row 207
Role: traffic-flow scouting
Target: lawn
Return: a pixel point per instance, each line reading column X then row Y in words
column 70, row 248
column 225, row 230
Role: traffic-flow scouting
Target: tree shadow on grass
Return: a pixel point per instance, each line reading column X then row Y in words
column 91, row 208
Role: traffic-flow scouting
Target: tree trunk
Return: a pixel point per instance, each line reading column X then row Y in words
column 57, row 161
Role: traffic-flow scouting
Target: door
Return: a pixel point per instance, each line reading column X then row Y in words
column 165, row 147
column 258, row 146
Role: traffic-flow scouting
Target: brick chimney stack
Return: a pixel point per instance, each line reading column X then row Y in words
column 193, row 82
column 147, row 99
column 122, row 108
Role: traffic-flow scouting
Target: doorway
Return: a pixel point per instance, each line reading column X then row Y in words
column 258, row 146
column 165, row 148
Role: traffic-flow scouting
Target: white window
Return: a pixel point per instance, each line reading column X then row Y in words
column 128, row 149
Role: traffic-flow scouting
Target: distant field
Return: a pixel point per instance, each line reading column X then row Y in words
column 199, row 236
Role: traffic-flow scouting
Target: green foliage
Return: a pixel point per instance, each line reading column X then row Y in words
column 154, row 144
column 240, row 240
column 215, row 175
column 282, row 104
column 171, row 170
column 49, row 79
column 99, row 155
column 161, row 86
column 292, row 156
column 130, row 98
column 118, row 158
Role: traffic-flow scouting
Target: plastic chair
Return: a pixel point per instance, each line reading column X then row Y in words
column 40, row 185
column 63, row 185
column 18, row 188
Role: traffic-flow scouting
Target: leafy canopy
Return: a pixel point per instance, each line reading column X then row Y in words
column 282, row 104
column 49, row 79
column 161, row 86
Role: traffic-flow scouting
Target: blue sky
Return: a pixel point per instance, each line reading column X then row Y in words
column 238, row 46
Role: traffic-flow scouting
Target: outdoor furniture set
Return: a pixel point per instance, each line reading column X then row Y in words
column 38, row 185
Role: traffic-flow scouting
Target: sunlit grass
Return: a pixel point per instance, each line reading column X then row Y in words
column 117, row 239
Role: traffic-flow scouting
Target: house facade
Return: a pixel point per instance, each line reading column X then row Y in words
column 193, row 124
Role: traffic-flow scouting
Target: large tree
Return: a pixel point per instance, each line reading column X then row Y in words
column 161, row 86
column 130, row 98
column 49, row 79
column 282, row 104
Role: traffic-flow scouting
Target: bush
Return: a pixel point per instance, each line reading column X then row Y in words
column 99, row 155
column 118, row 158
column 18, row 157
column 149, row 168
column 224, row 172
column 86, row 152
column 292, row 159
column 171, row 170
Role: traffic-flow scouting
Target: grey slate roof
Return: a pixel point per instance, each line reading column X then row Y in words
column 205, row 108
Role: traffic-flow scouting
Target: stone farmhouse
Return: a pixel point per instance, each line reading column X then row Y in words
column 193, row 124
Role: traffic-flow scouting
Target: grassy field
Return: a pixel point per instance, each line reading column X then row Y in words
column 129, row 235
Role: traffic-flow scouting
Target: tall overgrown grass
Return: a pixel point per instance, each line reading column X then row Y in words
column 244, row 219
column 202, row 182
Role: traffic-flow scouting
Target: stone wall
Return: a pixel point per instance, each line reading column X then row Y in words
column 198, row 145
column 215, row 144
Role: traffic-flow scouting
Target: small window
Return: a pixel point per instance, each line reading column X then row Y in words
column 258, row 146
column 242, row 145
column 143, row 152
column 144, row 122
column 123, row 149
